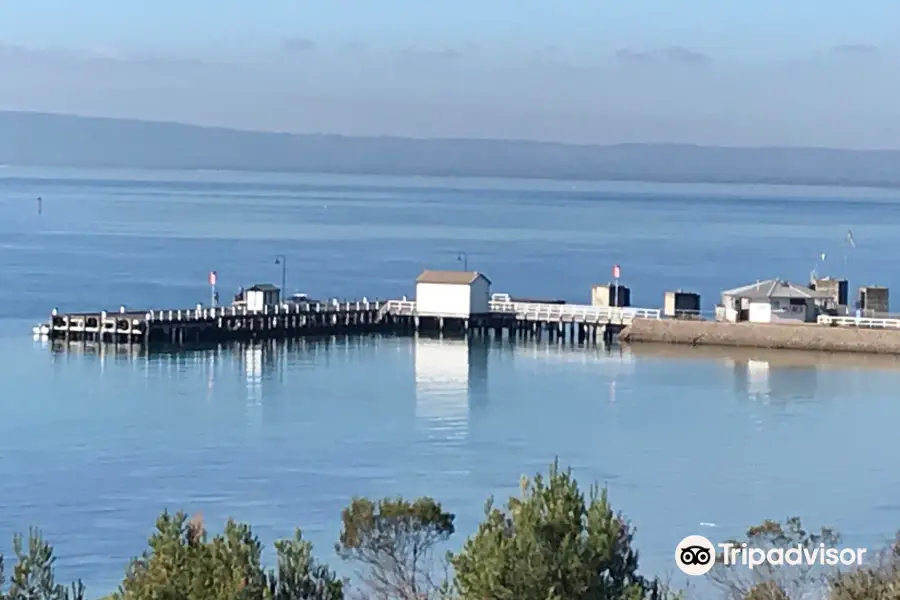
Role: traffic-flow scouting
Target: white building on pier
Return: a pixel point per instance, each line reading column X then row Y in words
column 453, row 294
column 262, row 295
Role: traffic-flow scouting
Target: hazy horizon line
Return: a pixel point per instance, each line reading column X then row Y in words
column 529, row 141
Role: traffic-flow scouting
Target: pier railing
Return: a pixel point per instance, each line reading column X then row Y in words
column 335, row 306
column 532, row 311
column 402, row 308
column 861, row 322
column 580, row 313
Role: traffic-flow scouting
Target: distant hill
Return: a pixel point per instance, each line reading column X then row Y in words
column 37, row 139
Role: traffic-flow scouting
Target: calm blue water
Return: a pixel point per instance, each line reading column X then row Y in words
column 93, row 446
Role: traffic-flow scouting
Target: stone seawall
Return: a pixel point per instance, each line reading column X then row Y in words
column 803, row 336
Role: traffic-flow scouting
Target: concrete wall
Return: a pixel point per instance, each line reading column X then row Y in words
column 443, row 299
column 802, row 336
column 480, row 296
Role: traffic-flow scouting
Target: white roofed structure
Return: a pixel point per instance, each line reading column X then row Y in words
column 772, row 301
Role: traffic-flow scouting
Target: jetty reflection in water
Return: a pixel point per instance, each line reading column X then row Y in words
column 451, row 375
column 261, row 364
column 444, row 373
column 618, row 362
column 769, row 375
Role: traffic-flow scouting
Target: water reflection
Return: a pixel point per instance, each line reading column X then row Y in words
column 759, row 375
column 264, row 365
column 550, row 351
column 774, row 379
column 63, row 350
column 803, row 358
column 261, row 365
column 450, row 373
column 773, row 376
column 478, row 373
column 615, row 362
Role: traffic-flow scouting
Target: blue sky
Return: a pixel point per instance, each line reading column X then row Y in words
column 726, row 71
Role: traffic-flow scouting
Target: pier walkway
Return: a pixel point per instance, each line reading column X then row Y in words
column 527, row 320
column 546, row 313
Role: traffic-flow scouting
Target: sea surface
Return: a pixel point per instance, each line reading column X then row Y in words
column 94, row 444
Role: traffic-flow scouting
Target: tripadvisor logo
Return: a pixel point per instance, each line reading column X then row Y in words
column 696, row 555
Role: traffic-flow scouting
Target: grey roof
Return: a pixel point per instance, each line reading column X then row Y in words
column 264, row 287
column 775, row 288
column 450, row 277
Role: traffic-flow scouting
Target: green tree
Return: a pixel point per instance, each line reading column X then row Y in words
column 394, row 542
column 551, row 544
column 775, row 582
column 299, row 576
column 182, row 563
column 34, row 576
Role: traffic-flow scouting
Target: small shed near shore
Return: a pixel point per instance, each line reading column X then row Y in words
column 454, row 294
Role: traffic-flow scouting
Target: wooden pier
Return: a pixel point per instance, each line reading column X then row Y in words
column 505, row 320
column 228, row 323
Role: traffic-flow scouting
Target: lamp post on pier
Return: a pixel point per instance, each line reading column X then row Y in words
column 464, row 259
column 281, row 259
